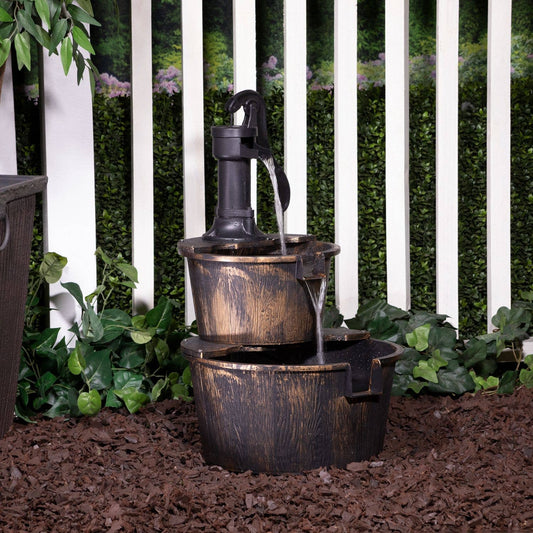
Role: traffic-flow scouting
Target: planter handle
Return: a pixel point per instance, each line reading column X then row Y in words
column 375, row 382
column 3, row 216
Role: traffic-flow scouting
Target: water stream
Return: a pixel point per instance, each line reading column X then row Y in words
column 271, row 167
column 317, row 289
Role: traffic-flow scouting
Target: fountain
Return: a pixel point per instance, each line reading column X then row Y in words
column 274, row 391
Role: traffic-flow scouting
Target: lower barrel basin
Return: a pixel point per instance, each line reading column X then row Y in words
column 258, row 414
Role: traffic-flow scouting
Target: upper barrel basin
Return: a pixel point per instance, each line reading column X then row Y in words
column 248, row 293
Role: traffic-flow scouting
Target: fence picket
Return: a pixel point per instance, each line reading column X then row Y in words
column 142, row 154
column 69, row 202
column 296, row 113
column 446, row 159
column 498, row 157
column 397, row 151
column 193, row 130
column 244, row 68
column 346, row 212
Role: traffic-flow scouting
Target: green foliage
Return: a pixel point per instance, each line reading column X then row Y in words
column 58, row 26
column 116, row 361
column 436, row 361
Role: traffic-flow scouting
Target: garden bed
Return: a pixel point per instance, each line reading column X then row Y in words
column 448, row 465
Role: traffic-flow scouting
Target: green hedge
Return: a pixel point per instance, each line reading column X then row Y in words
column 113, row 171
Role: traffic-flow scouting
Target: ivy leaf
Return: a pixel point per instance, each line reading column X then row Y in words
column 66, row 54
column 128, row 270
column 475, row 352
column 132, row 398
column 52, row 267
column 158, row 388
column 5, row 16
column 125, row 378
column 76, row 361
column 22, row 50
column 114, row 322
column 82, row 39
column 75, row 292
column 160, row 316
column 132, row 356
column 89, row 403
column 526, row 377
column 419, row 338
column 423, row 370
column 98, row 370
column 416, row 386
column 180, row 391
column 507, row 382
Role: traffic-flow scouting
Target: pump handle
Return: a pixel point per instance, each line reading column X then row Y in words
column 255, row 117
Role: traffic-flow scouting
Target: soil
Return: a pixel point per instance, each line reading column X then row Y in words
column 448, row 465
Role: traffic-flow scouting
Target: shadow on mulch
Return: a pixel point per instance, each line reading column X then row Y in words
column 448, row 465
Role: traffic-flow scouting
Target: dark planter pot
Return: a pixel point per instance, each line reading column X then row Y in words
column 17, row 207
column 257, row 414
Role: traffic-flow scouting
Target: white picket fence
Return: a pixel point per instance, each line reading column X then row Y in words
column 69, row 158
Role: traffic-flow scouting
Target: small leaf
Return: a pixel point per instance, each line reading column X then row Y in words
column 43, row 11
column 22, row 50
column 66, row 54
column 124, row 378
column 423, row 370
column 132, row 398
column 75, row 291
column 507, row 382
column 52, row 267
column 76, row 361
column 5, row 16
column 82, row 16
column 141, row 336
column 418, row 339
column 82, row 39
column 158, row 388
column 25, row 20
column 526, row 377
column 59, row 31
column 180, row 391
column 98, row 370
column 5, row 48
column 86, row 6
column 186, row 376
column 416, row 386
column 89, row 403
column 129, row 271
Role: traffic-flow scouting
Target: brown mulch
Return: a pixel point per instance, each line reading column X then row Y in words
column 448, row 465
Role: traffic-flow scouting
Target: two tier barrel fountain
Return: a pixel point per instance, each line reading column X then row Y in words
column 274, row 392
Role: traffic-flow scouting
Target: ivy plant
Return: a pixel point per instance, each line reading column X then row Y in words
column 112, row 360
column 59, row 26
column 436, row 361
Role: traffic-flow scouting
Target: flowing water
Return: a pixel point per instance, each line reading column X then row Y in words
column 271, row 167
column 317, row 288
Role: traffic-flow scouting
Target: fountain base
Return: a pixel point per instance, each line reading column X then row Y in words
column 274, row 410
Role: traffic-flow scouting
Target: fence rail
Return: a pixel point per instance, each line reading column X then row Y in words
column 69, row 202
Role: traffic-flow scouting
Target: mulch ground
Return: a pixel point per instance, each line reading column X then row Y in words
column 448, row 465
